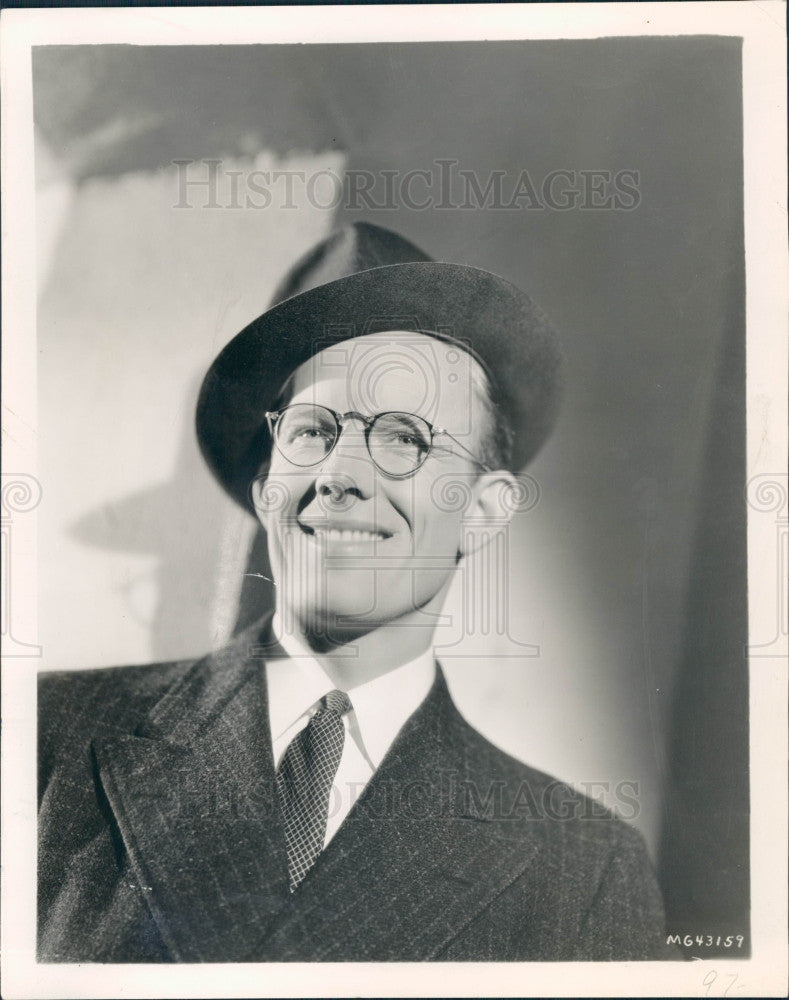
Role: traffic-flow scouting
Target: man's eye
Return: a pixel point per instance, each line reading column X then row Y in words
column 404, row 439
column 307, row 435
column 410, row 439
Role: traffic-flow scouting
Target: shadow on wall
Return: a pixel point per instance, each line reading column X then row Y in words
column 704, row 851
column 199, row 567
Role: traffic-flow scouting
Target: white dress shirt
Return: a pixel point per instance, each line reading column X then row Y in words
column 381, row 706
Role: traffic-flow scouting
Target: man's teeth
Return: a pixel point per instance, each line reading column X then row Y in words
column 334, row 535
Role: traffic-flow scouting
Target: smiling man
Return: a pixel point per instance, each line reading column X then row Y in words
column 310, row 792
column 363, row 450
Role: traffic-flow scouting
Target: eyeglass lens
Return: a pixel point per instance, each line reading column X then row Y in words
column 398, row 443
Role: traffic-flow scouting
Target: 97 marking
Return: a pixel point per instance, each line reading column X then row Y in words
column 712, row 976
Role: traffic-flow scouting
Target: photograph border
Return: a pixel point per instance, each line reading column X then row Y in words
column 762, row 27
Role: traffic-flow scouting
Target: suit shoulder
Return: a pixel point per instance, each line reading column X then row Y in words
column 107, row 688
column 499, row 785
column 487, row 760
column 76, row 704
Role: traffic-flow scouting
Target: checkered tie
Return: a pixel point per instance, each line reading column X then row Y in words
column 304, row 781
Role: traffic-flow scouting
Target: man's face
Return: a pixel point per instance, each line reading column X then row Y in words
column 351, row 547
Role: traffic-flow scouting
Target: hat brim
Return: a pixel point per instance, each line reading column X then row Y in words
column 491, row 317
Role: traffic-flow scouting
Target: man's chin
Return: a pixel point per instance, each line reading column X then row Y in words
column 342, row 622
column 324, row 629
column 351, row 617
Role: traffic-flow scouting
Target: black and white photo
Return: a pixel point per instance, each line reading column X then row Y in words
column 402, row 461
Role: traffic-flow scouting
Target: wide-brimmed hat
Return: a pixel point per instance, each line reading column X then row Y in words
column 364, row 279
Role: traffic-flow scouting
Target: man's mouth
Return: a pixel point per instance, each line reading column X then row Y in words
column 344, row 533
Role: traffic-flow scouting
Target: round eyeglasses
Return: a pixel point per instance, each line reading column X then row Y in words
column 398, row 443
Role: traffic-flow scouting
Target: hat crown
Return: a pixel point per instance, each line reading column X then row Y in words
column 353, row 248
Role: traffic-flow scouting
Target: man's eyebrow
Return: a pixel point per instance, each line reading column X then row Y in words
column 411, row 418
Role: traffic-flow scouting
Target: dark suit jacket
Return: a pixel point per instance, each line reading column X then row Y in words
column 160, row 837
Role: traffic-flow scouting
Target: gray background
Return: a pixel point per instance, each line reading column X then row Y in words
column 629, row 574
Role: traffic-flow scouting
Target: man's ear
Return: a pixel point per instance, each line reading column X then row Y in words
column 257, row 495
column 489, row 511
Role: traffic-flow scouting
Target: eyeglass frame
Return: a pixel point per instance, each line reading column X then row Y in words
column 340, row 419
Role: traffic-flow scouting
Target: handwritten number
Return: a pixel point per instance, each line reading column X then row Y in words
column 712, row 977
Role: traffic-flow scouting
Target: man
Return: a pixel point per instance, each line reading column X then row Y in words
column 310, row 792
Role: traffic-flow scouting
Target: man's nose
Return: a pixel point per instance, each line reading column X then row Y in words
column 348, row 468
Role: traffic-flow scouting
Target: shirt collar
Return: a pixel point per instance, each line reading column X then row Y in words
column 295, row 682
column 381, row 706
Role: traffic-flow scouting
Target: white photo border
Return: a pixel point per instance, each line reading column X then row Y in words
column 762, row 27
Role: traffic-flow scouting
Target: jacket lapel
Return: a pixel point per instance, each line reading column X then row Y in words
column 194, row 795
column 415, row 860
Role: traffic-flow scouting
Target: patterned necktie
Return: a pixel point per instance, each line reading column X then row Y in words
column 304, row 781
